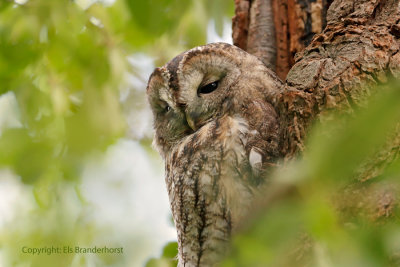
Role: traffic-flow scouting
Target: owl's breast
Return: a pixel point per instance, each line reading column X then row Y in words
column 210, row 180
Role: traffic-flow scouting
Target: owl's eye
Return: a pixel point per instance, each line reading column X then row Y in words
column 163, row 107
column 209, row 88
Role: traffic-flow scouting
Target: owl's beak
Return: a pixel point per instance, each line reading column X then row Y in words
column 190, row 122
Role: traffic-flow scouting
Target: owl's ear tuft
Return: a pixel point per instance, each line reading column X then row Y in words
column 155, row 77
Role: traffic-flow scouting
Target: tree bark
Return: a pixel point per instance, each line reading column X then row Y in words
column 332, row 55
column 287, row 26
column 334, row 69
column 254, row 29
column 357, row 51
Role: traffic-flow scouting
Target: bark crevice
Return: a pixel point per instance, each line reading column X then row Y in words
column 354, row 47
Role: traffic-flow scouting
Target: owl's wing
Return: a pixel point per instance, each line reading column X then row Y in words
column 262, row 147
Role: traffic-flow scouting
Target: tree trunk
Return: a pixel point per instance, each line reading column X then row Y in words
column 334, row 69
column 292, row 22
column 332, row 55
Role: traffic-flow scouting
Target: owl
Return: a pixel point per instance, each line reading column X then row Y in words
column 218, row 132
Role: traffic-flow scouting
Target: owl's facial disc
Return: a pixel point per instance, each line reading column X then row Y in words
column 193, row 89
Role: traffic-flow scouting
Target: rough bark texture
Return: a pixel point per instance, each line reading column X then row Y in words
column 358, row 49
column 287, row 26
column 283, row 58
column 240, row 23
column 332, row 55
column 337, row 69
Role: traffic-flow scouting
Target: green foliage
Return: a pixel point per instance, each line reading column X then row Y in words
column 322, row 216
column 65, row 62
column 65, row 65
column 64, row 74
column 168, row 257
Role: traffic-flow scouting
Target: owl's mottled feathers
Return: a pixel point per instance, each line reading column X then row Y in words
column 218, row 132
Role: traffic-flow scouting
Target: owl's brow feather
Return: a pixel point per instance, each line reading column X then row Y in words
column 174, row 64
column 172, row 67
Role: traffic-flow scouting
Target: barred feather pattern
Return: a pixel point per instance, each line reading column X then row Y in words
column 195, row 176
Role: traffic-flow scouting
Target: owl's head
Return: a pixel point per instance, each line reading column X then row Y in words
column 201, row 85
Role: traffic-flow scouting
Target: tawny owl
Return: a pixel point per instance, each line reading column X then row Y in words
column 218, row 132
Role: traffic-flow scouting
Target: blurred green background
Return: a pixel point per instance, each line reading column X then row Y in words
column 77, row 167
column 76, row 163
